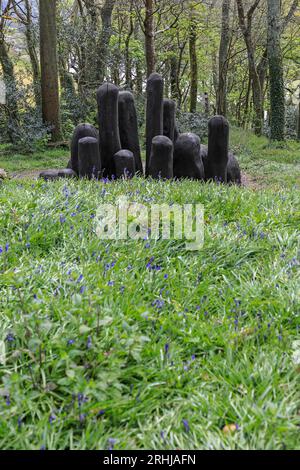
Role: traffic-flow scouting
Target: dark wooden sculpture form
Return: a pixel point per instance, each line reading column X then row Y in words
column 108, row 117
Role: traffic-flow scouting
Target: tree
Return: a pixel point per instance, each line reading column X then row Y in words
column 277, row 98
column 24, row 14
column 49, row 67
column 193, row 59
column 245, row 21
column 223, row 60
column 7, row 65
column 103, row 45
column 149, row 37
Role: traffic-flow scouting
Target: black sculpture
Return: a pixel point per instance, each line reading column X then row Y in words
column 109, row 137
column 128, row 127
column 161, row 159
column 154, row 114
column 233, row 168
column 169, row 119
column 51, row 175
column 218, row 142
column 187, row 158
column 124, row 164
column 81, row 131
column 89, row 164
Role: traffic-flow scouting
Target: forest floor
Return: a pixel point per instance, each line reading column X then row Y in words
column 143, row 344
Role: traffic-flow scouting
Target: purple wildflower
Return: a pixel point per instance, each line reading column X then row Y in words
column 186, row 425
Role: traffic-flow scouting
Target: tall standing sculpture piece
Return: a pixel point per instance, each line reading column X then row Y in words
column 218, row 143
column 128, row 127
column 154, row 113
column 108, row 117
column 80, row 132
column 169, row 119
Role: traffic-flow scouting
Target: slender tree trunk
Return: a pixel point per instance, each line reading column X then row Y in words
column 11, row 91
column 193, row 59
column 149, row 37
column 103, row 47
column 223, row 60
column 128, row 60
column 49, row 68
column 174, row 78
column 277, row 98
column 138, row 65
column 32, row 41
column 246, row 28
column 298, row 127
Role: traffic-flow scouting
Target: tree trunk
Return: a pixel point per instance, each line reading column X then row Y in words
column 174, row 78
column 193, row 60
column 298, row 127
column 277, row 98
column 103, row 47
column 128, row 60
column 138, row 85
column 11, row 91
column 32, row 41
column 149, row 37
column 49, row 68
column 223, row 60
column 246, row 28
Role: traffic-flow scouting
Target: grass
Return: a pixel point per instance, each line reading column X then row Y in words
column 137, row 346
column 43, row 159
column 266, row 164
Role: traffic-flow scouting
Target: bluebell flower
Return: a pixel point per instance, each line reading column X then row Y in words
column 111, row 443
column 186, row 425
column 10, row 338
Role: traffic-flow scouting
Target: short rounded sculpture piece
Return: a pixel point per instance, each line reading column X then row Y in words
column 218, row 142
column 108, row 117
column 80, row 132
column 169, row 119
column 89, row 158
column 187, row 158
column 233, row 170
column 154, row 113
column 128, row 128
column 52, row 175
column 124, row 164
column 161, row 160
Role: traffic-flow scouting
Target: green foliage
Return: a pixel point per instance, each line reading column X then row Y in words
column 97, row 345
